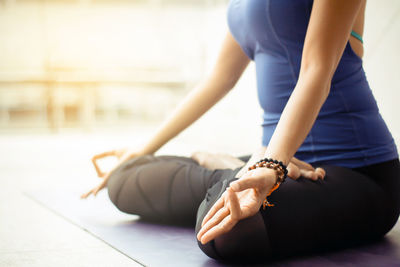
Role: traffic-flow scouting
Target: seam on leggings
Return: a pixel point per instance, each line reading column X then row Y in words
column 119, row 191
column 190, row 185
column 206, row 184
column 143, row 194
column 124, row 167
column 170, row 187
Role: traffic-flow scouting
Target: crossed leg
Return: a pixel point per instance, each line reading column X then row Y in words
column 345, row 208
column 162, row 188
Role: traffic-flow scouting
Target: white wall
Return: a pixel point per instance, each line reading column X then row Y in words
column 382, row 59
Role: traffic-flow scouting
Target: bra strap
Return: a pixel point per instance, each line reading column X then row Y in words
column 356, row 35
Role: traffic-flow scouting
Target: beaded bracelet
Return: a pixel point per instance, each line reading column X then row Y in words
column 281, row 171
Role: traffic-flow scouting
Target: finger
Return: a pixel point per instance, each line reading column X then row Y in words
column 105, row 154
column 293, row 171
column 217, row 206
column 85, row 195
column 215, row 220
column 99, row 187
column 321, row 172
column 312, row 175
column 223, row 227
column 302, row 164
column 234, row 205
column 122, row 153
column 244, row 183
column 97, row 168
column 99, row 156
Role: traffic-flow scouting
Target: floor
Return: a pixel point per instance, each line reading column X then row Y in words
column 30, row 234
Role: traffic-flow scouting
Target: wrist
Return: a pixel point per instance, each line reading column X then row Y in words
column 147, row 149
column 278, row 167
column 280, row 157
column 280, row 173
column 271, row 176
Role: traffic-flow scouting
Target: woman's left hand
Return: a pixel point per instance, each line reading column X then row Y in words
column 242, row 199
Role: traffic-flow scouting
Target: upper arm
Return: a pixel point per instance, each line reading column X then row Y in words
column 231, row 62
column 327, row 34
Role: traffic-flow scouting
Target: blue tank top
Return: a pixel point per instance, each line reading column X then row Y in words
column 349, row 130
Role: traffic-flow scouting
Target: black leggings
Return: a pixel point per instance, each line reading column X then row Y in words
column 348, row 207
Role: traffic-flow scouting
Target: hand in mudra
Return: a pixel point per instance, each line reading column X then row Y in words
column 122, row 155
column 242, row 199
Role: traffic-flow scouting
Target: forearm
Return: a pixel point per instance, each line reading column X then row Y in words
column 256, row 156
column 231, row 63
column 196, row 103
column 296, row 120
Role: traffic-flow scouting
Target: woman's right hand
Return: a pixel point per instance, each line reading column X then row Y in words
column 122, row 155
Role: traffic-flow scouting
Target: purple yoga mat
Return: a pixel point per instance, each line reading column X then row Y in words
column 164, row 245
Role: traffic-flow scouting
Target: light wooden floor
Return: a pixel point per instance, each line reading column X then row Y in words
column 30, row 234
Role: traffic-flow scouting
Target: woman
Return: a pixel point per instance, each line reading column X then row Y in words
column 317, row 106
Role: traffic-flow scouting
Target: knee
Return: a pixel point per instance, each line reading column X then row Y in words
column 114, row 185
column 123, row 193
column 390, row 220
column 120, row 175
column 247, row 241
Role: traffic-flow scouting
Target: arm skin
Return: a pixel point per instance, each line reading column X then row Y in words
column 231, row 63
column 327, row 34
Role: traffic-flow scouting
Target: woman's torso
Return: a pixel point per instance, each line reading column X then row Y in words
column 349, row 130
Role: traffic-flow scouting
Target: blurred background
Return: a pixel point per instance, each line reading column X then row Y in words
column 98, row 67
column 95, row 66
column 78, row 77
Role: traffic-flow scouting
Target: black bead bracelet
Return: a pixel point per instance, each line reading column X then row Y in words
column 281, row 171
column 272, row 164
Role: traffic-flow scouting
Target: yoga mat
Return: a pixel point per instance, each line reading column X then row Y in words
column 164, row 245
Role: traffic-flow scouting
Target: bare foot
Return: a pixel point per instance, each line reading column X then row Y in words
column 214, row 161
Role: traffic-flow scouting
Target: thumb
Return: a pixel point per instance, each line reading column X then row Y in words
column 293, row 171
column 258, row 178
column 244, row 183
